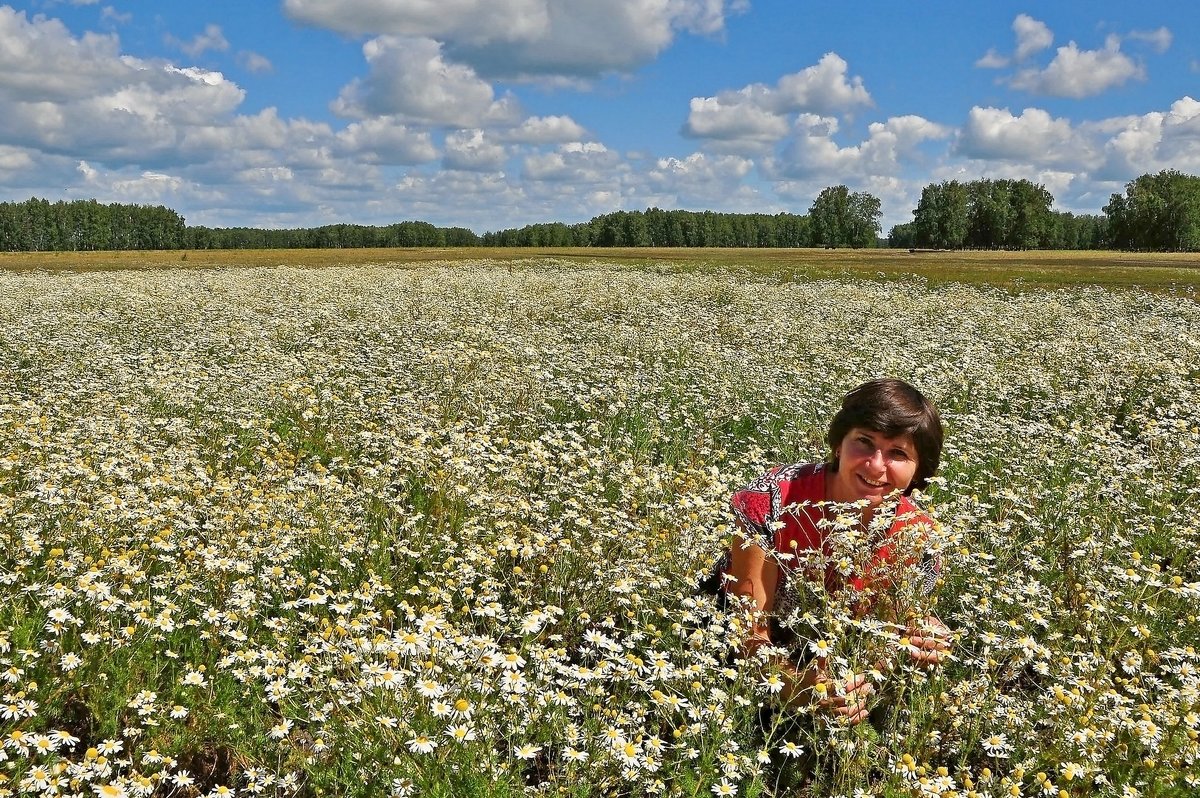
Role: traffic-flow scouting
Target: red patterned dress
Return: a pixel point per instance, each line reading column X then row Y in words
column 786, row 506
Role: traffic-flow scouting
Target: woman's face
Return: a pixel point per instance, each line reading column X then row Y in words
column 871, row 466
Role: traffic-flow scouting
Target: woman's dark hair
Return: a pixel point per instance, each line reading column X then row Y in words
column 892, row 407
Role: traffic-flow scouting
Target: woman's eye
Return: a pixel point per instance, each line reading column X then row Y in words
column 899, row 454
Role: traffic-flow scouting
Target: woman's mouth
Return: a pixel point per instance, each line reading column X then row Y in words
column 870, row 483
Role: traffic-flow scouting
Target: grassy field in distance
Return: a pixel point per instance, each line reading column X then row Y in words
column 1153, row 271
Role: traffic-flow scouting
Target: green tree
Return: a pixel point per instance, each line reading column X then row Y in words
column 863, row 222
column 903, row 236
column 989, row 213
column 636, row 231
column 1158, row 212
column 940, row 218
column 839, row 218
column 1033, row 224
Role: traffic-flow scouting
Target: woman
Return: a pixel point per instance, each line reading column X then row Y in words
column 885, row 441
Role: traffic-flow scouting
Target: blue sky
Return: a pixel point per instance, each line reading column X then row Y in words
column 499, row 113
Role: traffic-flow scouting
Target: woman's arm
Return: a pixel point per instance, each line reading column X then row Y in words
column 755, row 577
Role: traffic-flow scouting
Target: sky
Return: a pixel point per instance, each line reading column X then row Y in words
column 492, row 114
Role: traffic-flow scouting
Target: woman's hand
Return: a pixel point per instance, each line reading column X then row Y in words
column 928, row 642
column 846, row 700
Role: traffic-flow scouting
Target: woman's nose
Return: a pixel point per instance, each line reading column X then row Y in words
column 876, row 460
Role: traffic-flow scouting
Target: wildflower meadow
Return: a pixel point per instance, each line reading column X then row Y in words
column 435, row 530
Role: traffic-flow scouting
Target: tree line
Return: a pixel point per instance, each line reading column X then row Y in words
column 658, row 228
column 1157, row 212
column 995, row 214
column 837, row 218
column 39, row 225
column 333, row 236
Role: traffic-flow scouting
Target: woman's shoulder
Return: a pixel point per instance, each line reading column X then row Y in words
column 794, row 471
column 802, row 482
column 761, row 501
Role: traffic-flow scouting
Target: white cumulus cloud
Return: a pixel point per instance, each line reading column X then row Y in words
column 211, row 39
column 386, row 140
column 735, row 118
column 410, row 78
column 13, row 159
column 1032, row 36
column 822, row 88
column 545, row 130
column 534, row 39
column 1034, row 137
column 81, row 97
column 255, row 62
column 699, row 179
column 149, row 185
column 1073, row 72
column 1152, row 142
column 1081, row 73
column 473, row 150
column 41, row 61
column 812, row 152
column 748, row 118
column 575, row 162
column 1159, row 39
column 892, row 143
column 993, row 60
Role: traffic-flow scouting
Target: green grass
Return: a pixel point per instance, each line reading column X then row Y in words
column 1159, row 272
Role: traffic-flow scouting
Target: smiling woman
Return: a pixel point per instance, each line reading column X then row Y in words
column 889, row 418
column 885, row 442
